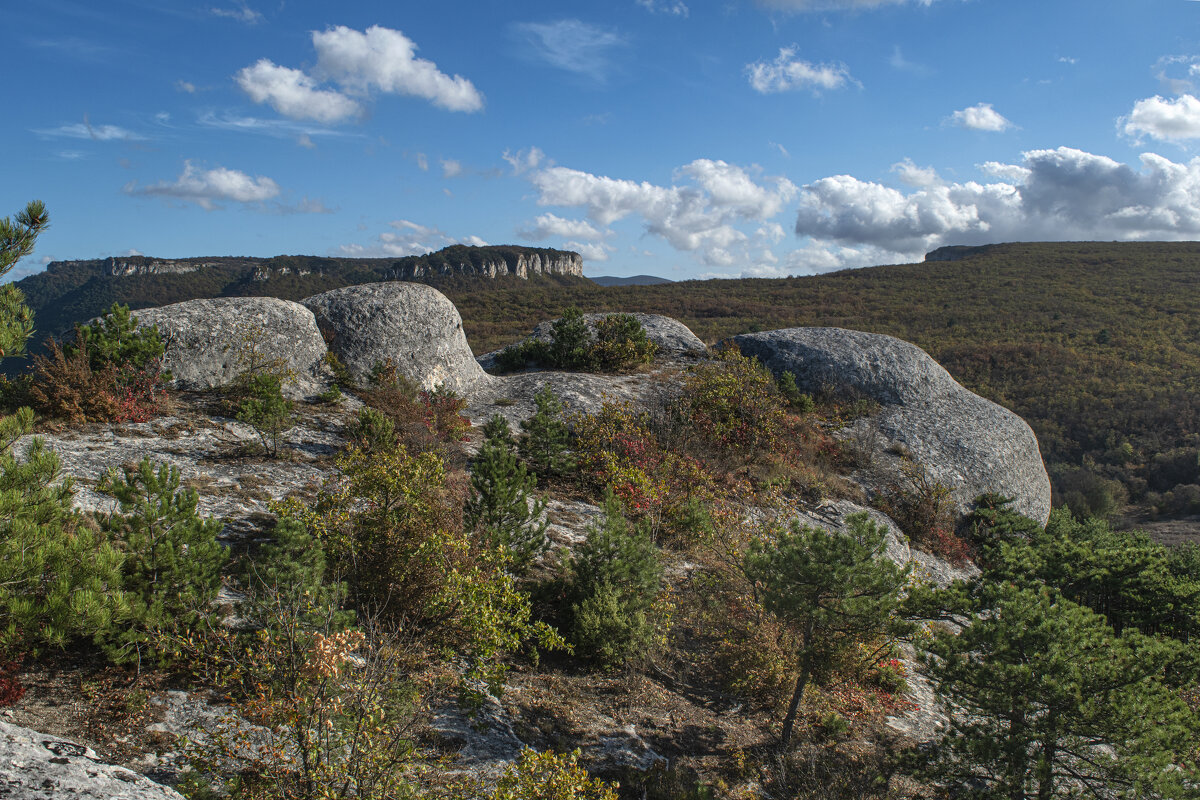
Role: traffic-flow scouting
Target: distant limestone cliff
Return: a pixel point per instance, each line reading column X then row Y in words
column 73, row 291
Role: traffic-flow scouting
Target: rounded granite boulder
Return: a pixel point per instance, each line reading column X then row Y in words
column 209, row 342
column 966, row 442
column 414, row 325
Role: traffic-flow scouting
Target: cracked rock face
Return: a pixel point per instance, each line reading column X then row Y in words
column 414, row 325
column 36, row 765
column 207, row 340
column 966, row 442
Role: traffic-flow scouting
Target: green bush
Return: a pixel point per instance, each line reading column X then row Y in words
column 619, row 343
column 115, row 338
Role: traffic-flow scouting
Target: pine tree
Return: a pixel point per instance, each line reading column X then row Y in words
column 17, row 238
column 544, row 445
column 834, row 590
column 1045, row 699
column 116, row 339
column 615, row 578
column 501, row 501
column 266, row 410
column 173, row 560
column 571, row 341
column 59, row 579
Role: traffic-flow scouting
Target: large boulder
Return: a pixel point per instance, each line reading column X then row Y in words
column 414, row 325
column 36, row 765
column 966, row 442
column 209, row 342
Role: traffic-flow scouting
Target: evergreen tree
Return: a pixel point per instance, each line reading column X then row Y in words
column 266, row 410
column 173, row 560
column 500, row 500
column 1047, row 702
column 615, row 578
column 834, row 591
column 17, row 238
column 544, row 445
column 116, row 339
column 58, row 578
column 571, row 341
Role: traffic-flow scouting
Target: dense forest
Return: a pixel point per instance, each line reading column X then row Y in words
column 1095, row 344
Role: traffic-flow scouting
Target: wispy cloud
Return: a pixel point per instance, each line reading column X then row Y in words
column 806, row 6
column 788, row 73
column 572, row 45
column 97, row 133
column 242, row 13
column 675, row 8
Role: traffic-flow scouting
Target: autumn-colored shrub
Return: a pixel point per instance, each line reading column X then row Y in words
column 421, row 420
column 68, row 388
column 924, row 510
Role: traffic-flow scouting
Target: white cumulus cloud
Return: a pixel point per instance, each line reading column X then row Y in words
column 697, row 213
column 210, row 188
column 1060, row 194
column 451, row 168
column 981, row 117
column 359, row 63
column 294, row 94
column 1172, row 120
column 385, row 59
column 591, row 251
column 788, row 73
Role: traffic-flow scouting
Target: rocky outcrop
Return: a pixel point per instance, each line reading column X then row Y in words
column 414, row 325
column 209, row 342
column 489, row 264
column 966, row 442
column 36, row 765
column 124, row 267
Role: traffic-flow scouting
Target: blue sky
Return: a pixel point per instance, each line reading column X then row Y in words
column 672, row 137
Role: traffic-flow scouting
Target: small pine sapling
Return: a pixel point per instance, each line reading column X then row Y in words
column 173, row 561
column 544, row 444
column 266, row 410
column 615, row 578
column 501, row 503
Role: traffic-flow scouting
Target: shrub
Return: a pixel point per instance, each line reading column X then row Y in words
column 621, row 343
column 545, row 439
column 110, row 373
column 550, row 776
column 172, row 566
column 732, row 403
column 373, row 430
column 266, row 410
column 422, row 420
column 392, row 524
column 924, row 510
column 801, row 401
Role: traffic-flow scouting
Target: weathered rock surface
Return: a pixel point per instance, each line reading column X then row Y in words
column 966, row 442
column 207, row 340
column 512, row 395
column 214, row 455
column 414, row 325
column 35, row 765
